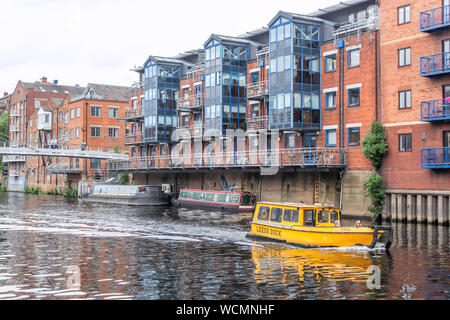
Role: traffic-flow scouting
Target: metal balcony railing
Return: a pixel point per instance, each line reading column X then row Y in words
column 435, row 64
column 191, row 103
column 435, row 110
column 13, row 158
column 435, row 158
column 134, row 138
column 307, row 157
column 435, row 19
column 257, row 90
column 259, row 123
column 133, row 113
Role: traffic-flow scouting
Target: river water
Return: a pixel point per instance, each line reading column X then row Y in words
column 54, row 249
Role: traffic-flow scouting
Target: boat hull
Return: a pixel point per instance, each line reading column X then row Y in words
column 214, row 206
column 131, row 201
column 315, row 236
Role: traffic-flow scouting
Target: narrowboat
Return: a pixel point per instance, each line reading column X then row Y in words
column 311, row 226
column 230, row 201
column 135, row 195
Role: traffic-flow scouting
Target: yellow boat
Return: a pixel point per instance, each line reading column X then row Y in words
column 311, row 226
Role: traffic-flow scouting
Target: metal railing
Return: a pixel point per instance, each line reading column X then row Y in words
column 192, row 102
column 435, row 110
column 435, row 158
column 133, row 138
column 435, row 19
column 133, row 113
column 306, row 157
column 435, row 64
column 259, row 123
column 13, row 158
column 259, row 89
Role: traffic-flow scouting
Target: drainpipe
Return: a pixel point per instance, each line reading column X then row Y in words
column 86, row 137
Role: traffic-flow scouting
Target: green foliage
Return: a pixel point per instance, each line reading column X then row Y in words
column 2, row 188
column 124, row 179
column 70, row 193
column 32, row 190
column 117, row 149
column 54, row 192
column 4, row 133
column 374, row 145
column 375, row 190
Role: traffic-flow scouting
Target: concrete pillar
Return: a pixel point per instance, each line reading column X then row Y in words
column 394, row 206
column 401, row 209
column 430, row 208
column 420, row 208
column 440, row 210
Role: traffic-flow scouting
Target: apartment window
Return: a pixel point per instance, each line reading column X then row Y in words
column 78, row 112
column 405, row 142
column 330, row 98
column 404, row 57
column 95, row 163
column 66, row 117
column 254, row 110
column 254, row 77
column 61, row 117
column 404, row 99
column 77, row 132
column 113, row 112
column 72, row 113
column 290, row 140
column 404, row 14
column 71, row 133
column 96, row 132
column 330, row 63
column 354, row 136
column 96, row 111
column 353, row 97
column 353, row 58
column 330, row 138
column 113, row 132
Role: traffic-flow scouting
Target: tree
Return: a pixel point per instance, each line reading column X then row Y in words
column 374, row 145
column 4, row 133
column 375, row 190
column 124, row 179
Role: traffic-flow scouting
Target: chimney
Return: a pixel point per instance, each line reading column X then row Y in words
column 5, row 94
column 44, row 79
column 55, row 81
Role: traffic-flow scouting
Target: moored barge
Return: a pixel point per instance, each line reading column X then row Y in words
column 141, row 195
column 230, row 201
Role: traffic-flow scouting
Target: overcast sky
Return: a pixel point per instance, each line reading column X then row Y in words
column 98, row 41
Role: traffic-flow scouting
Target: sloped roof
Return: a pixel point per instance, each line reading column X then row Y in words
column 53, row 88
column 338, row 6
column 105, row 92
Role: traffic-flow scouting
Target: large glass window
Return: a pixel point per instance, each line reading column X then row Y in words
column 353, row 58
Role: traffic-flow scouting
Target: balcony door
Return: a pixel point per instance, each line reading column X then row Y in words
column 446, row 139
column 310, row 142
column 446, row 51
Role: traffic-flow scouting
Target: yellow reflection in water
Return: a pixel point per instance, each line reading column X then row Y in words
column 275, row 263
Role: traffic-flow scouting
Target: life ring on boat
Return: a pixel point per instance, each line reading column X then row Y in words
column 90, row 185
column 264, row 214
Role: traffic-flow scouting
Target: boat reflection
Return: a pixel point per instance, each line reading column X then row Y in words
column 318, row 269
column 215, row 217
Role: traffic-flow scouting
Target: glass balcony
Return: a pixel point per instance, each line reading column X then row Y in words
column 435, row 158
column 435, row 64
column 435, row 19
column 435, row 110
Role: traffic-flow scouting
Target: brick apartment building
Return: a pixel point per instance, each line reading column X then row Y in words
column 42, row 112
column 305, row 90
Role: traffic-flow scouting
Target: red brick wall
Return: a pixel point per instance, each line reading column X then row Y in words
column 401, row 170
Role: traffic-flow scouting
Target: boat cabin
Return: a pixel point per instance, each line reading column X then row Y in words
column 297, row 214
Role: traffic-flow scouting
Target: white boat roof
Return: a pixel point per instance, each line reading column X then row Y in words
column 298, row 204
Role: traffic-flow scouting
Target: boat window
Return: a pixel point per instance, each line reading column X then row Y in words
column 290, row 215
column 276, row 214
column 322, row 216
column 263, row 213
column 142, row 189
column 334, row 215
column 309, row 217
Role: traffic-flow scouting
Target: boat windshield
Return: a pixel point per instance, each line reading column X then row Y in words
column 247, row 199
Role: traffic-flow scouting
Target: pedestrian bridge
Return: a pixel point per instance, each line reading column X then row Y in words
column 62, row 153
